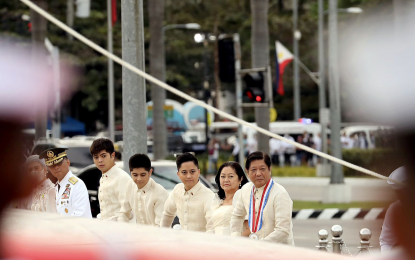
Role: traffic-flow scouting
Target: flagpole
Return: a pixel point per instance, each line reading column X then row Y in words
column 297, row 97
column 111, row 129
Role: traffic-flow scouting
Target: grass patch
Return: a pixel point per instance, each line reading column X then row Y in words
column 293, row 171
column 319, row 205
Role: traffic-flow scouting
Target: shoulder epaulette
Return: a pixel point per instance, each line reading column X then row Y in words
column 73, row 180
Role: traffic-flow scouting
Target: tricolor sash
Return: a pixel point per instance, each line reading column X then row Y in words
column 255, row 222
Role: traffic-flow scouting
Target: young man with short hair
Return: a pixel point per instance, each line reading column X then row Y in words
column 267, row 204
column 113, row 181
column 190, row 200
column 144, row 197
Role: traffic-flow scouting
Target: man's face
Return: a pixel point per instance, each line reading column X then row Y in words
column 104, row 160
column 61, row 169
column 259, row 173
column 141, row 176
column 37, row 171
column 189, row 174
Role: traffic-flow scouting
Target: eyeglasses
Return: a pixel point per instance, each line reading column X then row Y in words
column 261, row 170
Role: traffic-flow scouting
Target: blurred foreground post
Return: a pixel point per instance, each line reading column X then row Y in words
column 39, row 26
column 133, row 91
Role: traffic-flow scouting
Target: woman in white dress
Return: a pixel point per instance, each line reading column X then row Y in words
column 43, row 196
column 229, row 178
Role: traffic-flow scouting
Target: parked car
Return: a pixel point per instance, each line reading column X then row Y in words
column 78, row 152
column 164, row 173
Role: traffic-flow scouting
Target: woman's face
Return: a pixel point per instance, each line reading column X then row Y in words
column 37, row 171
column 229, row 180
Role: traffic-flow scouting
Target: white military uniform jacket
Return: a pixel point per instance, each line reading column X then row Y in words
column 72, row 197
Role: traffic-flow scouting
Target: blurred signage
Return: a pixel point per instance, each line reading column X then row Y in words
column 324, row 116
column 272, row 114
column 168, row 111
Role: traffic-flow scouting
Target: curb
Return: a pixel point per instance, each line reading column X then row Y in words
column 349, row 214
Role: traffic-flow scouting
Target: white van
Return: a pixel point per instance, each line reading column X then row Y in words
column 366, row 129
column 292, row 128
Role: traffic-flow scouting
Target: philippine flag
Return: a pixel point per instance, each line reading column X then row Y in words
column 283, row 57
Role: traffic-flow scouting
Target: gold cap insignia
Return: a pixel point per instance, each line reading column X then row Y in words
column 50, row 154
column 53, row 156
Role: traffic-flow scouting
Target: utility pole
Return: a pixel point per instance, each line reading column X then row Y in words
column 111, row 128
column 238, row 57
column 260, row 59
column 322, row 77
column 70, row 16
column 133, row 92
column 39, row 26
column 56, row 118
column 296, row 36
column 158, row 70
column 335, row 112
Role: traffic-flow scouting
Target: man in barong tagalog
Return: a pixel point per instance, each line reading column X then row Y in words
column 267, row 204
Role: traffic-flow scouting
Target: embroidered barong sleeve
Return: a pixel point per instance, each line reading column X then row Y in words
column 126, row 214
column 51, row 202
column 238, row 216
column 169, row 212
column 120, row 193
column 208, row 214
column 283, row 213
column 159, row 206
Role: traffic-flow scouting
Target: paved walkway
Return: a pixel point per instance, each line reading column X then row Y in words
column 313, row 188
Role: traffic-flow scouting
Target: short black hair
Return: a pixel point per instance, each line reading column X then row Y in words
column 139, row 160
column 101, row 144
column 118, row 155
column 239, row 171
column 258, row 156
column 186, row 157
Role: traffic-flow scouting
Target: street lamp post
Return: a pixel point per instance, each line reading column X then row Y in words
column 296, row 38
column 322, row 76
column 111, row 107
column 157, row 93
column 54, row 53
column 199, row 38
column 335, row 115
column 322, row 79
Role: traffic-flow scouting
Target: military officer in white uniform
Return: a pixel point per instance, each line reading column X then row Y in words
column 71, row 193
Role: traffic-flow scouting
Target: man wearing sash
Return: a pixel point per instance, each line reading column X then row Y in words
column 267, row 204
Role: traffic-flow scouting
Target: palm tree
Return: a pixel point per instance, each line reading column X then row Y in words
column 260, row 58
column 157, row 68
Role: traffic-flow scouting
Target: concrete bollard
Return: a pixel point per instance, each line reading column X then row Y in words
column 322, row 242
column 336, row 232
column 365, row 235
